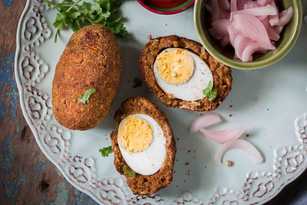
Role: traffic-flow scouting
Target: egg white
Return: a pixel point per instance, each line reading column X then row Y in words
column 192, row 90
column 150, row 160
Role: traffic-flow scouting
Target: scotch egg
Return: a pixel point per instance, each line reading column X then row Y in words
column 143, row 146
column 182, row 74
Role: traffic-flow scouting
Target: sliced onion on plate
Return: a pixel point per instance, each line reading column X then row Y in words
column 205, row 121
column 222, row 136
column 243, row 145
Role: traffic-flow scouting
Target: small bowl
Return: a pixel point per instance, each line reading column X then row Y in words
column 166, row 7
column 285, row 44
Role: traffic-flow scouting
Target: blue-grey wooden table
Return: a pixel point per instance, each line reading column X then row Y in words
column 26, row 176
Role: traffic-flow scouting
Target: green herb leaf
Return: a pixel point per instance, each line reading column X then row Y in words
column 106, row 151
column 128, row 172
column 208, row 89
column 212, row 95
column 75, row 14
column 86, row 96
column 210, row 92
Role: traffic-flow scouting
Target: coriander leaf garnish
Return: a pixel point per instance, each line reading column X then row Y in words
column 128, row 172
column 210, row 92
column 212, row 95
column 75, row 14
column 106, row 151
column 208, row 89
column 84, row 98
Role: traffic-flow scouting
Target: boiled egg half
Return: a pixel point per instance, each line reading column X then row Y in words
column 182, row 73
column 142, row 143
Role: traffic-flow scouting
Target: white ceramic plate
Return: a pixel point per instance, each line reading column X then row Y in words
column 269, row 103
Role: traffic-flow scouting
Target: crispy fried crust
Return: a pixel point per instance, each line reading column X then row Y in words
column 145, row 185
column 90, row 60
column 221, row 74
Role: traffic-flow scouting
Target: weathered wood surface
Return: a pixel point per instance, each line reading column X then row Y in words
column 26, row 176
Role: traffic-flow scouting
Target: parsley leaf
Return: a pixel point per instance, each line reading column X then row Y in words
column 210, row 92
column 75, row 14
column 128, row 172
column 106, row 151
column 85, row 98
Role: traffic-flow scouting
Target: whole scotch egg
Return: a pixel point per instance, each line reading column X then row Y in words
column 182, row 74
column 143, row 145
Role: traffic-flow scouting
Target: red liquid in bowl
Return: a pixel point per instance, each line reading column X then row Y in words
column 164, row 3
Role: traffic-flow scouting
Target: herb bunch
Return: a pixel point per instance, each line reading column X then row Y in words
column 75, row 14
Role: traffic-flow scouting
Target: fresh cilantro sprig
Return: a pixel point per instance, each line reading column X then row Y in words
column 85, row 97
column 128, row 171
column 210, row 92
column 106, row 151
column 75, row 14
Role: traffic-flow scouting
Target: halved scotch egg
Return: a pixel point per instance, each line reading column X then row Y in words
column 142, row 143
column 143, row 146
column 182, row 74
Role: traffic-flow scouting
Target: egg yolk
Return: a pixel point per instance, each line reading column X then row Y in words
column 136, row 134
column 175, row 66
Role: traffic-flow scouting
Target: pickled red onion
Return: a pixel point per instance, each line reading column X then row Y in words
column 257, row 23
column 243, row 145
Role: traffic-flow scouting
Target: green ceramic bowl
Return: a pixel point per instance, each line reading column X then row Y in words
column 284, row 45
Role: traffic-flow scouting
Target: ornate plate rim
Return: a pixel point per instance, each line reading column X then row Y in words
column 20, row 92
column 184, row 198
